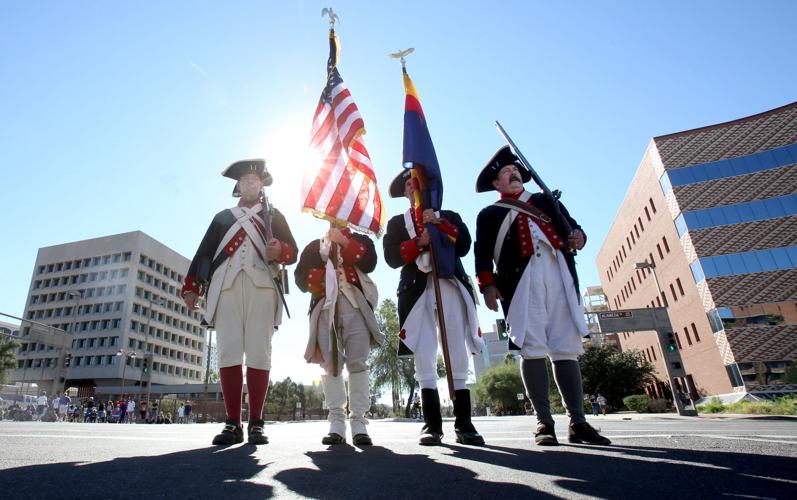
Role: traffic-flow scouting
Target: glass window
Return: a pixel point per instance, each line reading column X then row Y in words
column 699, row 174
column 751, row 262
column 792, row 150
column 737, row 265
column 664, row 181
column 774, row 208
column 782, row 156
column 781, row 258
column 758, row 211
column 766, row 260
column 737, row 166
column 697, row 271
column 766, row 159
column 789, row 204
column 792, row 251
column 702, row 219
column 722, row 266
column 720, row 216
column 752, row 163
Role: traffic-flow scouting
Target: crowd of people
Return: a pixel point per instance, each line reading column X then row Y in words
column 63, row 408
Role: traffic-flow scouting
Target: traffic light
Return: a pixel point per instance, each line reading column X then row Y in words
column 145, row 365
column 67, row 360
column 500, row 328
column 672, row 346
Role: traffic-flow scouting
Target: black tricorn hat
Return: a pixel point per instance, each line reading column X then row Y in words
column 397, row 185
column 239, row 168
column 503, row 157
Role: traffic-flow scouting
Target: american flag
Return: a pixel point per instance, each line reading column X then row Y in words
column 342, row 186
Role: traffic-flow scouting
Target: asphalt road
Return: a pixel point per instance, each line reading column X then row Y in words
column 651, row 457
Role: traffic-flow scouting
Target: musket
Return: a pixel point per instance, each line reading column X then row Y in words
column 269, row 237
column 553, row 196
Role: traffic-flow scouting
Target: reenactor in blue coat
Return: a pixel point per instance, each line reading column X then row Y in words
column 236, row 268
column 525, row 260
column 406, row 245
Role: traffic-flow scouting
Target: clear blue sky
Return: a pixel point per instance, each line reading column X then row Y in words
column 119, row 116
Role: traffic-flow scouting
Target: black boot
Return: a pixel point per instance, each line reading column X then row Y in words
column 586, row 434
column 463, row 427
column 255, row 433
column 432, row 432
column 231, row 434
column 545, row 435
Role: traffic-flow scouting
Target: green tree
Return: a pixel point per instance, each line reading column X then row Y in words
column 498, row 388
column 314, row 400
column 614, row 374
column 790, row 377
column 283, row 396
column 8, row 357
column 387, row 368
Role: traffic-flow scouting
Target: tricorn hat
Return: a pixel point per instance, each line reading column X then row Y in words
column 503, row 157
column 239, row 168
column 397, row 185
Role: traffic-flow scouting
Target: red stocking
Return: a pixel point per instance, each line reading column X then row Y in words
column 232, row 387
column 257, row 383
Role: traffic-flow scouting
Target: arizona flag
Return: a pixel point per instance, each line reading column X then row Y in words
column 419, row 155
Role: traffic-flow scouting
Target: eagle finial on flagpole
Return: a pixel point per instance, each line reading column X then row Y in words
column 333, row 18
column 400, row 55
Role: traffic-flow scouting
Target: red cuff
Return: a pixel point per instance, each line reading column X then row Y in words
column 353, row 252
column 351, row 275
column 286, row 255
column 409, row 250
column 190, row 285
column 485, row 279
column 449, row 229
column 316, row 282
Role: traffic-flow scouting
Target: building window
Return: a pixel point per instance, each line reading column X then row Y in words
column 661, row 254
column 678, row 341
column 694, row 331
column 666, row 246
column 652, row 206
column 672, row 291
column 756, row 261
column 680, row 288
column 688, row 338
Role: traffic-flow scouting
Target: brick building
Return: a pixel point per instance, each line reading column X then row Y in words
column 715, row 210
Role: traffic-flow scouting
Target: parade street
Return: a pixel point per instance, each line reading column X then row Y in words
column 651, row 456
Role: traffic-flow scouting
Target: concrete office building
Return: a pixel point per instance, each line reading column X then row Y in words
column 109, row 295
column 9, row 329
column 494, row 352
column 715, row 210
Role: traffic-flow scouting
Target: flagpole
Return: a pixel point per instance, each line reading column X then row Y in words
column 333, row 254
column 441, row 321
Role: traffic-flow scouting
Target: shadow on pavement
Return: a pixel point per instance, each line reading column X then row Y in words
column 201, row 473
column 377, row 472
column 648, row 472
